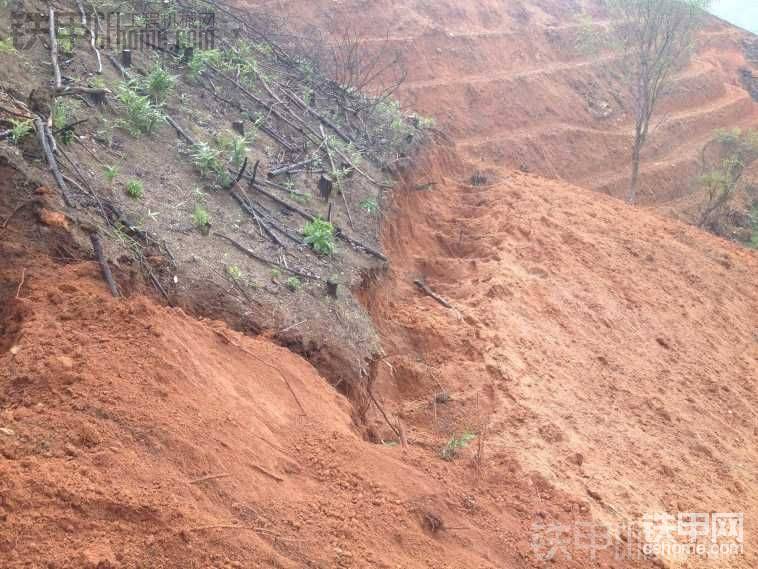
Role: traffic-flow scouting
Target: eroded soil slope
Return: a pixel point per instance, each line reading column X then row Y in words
column 611, row 350
column 132, row 436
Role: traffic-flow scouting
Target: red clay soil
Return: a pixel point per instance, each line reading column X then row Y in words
column 134, row 436
column 611, row 350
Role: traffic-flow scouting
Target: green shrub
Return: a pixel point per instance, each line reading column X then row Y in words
column 142, row 116
column 319, row 234
column 206, row 159
column 234, row 272
column 135, row 189
column 237, row 147
column 63, row 115
column 20, row 129
column 201, row 59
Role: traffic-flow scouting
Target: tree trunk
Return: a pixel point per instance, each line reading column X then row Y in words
column 632, row 196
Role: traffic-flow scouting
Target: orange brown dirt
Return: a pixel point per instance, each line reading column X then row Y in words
column 605, row 355
column 135, row 436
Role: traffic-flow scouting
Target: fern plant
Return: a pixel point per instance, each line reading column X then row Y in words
column 142, row 116
column 319, row 234
column 158, row 84
column 20, row 129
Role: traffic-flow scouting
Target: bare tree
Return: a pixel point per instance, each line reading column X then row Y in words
column 655, row 38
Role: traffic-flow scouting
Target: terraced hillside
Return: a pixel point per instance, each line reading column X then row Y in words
column 514, row 85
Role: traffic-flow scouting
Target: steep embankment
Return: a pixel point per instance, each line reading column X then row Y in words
column 610, row 352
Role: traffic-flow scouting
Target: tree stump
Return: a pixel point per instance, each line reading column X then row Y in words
column 126, row 57
column 331, row 287
column 325, row 186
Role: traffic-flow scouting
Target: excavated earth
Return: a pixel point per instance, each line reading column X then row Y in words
column 603, row 355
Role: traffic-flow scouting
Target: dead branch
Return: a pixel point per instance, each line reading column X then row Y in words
column 249, row 528
column 23, row 278
column 106, row 270
column 54, row 47
column 289, row 168
column 266, row 472
column 297, row 100
column 264, row 362
column 180, row 131
column 429, row 292
column 89, row 29
column 253, row 255
column 210, row 477
column 120, row 68
column 248, row 208
column 381, row 410
column 337, row 176
column 42, row 134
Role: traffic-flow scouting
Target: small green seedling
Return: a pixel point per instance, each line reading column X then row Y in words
column 293, row 283
column 135, row 189
column 234, row 272
column 111, row 172
column 319, row 234
column 450, row 450
column 201, row 218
